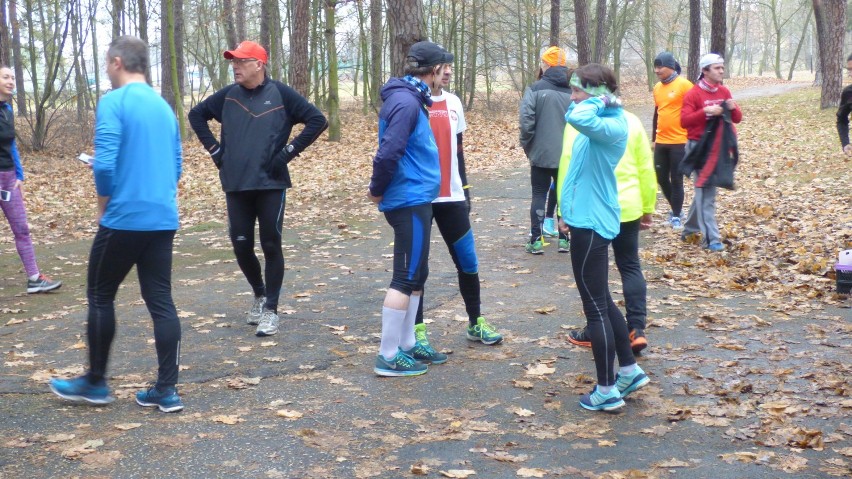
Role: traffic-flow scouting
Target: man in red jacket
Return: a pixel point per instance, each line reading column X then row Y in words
column 708, row 98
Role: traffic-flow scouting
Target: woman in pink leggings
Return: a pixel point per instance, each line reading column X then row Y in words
column 11, row 194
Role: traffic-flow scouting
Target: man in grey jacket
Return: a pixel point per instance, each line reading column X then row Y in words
column 542, row 121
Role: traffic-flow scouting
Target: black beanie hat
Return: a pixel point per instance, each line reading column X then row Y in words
column 666, row 59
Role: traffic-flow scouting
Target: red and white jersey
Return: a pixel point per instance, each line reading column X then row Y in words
column 447, row 120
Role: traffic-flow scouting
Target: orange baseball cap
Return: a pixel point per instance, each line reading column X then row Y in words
column 554, row 56
column 247, row 49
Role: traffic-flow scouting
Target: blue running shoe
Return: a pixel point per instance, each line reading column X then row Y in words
column 422, row 350
column 549, row 228
column 80, row 389
column 716, row 247
column 628, row 384
column 166, row 399
column 595, row 401
column 400, row 365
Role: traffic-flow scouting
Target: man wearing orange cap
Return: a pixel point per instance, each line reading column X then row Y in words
column 542, row 120
column 257, row 115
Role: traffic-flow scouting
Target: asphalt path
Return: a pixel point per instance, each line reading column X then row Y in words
column 737, row 387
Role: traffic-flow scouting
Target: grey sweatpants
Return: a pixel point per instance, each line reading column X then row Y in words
column 702, row 211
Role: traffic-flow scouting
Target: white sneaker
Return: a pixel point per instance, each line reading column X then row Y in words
column 253, row 316
column 268, row 324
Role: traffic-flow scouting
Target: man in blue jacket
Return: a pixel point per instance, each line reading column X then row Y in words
column 257, row 116
column 137, row 166
column 406, row 178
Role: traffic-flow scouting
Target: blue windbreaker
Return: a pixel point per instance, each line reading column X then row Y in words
column 590, row 191
column 406, row 171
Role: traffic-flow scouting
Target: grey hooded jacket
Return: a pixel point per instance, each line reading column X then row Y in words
column 542, row 117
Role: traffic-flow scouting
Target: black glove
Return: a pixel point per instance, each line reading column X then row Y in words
column 277, row 166
column 467, row 200
column 216, row 155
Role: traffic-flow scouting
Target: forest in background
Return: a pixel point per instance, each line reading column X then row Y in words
column 333, row 49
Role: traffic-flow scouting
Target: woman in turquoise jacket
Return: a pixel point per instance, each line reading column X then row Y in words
column 591, row 211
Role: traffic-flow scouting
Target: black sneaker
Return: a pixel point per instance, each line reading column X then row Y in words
column 637, row 340
column 580, row 338
column 42, row 284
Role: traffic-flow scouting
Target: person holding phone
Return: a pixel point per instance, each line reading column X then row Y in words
column 11, row 189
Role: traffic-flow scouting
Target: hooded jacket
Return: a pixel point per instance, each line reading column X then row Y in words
column 406, row 170
column 542, row 117
column 634, row 175
column 590, row 191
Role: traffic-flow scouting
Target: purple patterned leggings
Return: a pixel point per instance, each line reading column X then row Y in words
column 17, row 216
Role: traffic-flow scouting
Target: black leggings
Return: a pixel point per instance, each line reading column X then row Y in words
column 412, row 227
column 543, row 199
column 114, row 253
column 267, row 208
column 667, row 160
column 453, row 222
column 604, row 321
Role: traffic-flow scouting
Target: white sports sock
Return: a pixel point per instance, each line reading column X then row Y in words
column 627, row 370
column 34, row 277
column 406, row 335
column 392, row 320
column 604, row 389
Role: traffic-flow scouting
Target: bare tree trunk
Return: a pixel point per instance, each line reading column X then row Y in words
column 172, row 24
column 19, row 65
column 600, row 31
column 5, row 42
column 117, row 18
column 648, row 44
column 832, row 13
column 76, row 44
column 333, row 97
column 93, row 7
column 228, row 18
column 266, row 18
column 718, row 26
column 405, row 18
column 694, row 39
column 472, row 55
column 240, row 20
column 376, row 35
column 555, row 6
column 299, row 71
column 800, row 43
column 143, row 31
column 581, row 20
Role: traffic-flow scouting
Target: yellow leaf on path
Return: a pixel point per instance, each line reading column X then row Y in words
column 229, row 420
column 672, row 463
column 245, row 349
column 540, row 370
column 522, row 384
column 128, row 426
column 78, row 345
column 545, row 309
column 519, row 411
column 420, row 469
column 605, row 443
column 531, row 472
column 458, row 473
column 60, row 437
column 288, row 414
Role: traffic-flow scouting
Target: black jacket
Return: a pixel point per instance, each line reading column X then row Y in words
column 256, row 125
column 716, row 154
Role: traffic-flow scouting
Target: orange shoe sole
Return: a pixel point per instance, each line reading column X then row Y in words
column 637, row 344
column 585, row 344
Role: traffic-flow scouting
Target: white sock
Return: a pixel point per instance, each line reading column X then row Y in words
column 406, row 335
column 627, row 370
column 391, row 321
column 604, row 389
column 34, row 277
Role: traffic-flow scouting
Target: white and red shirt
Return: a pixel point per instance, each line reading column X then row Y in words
column 446, row 117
